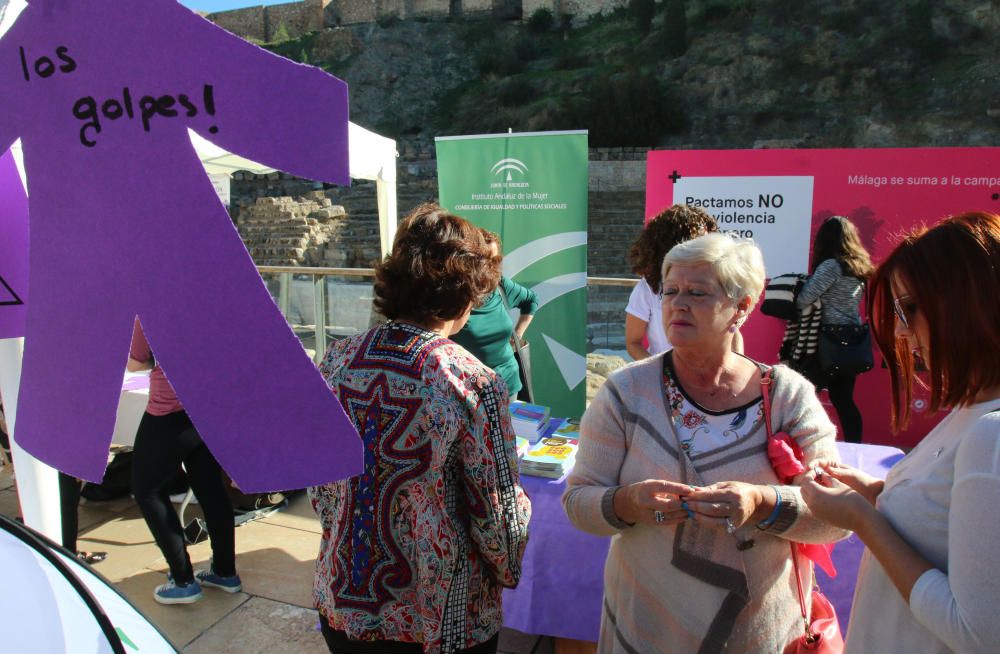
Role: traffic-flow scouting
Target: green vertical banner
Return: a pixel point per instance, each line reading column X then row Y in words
column 531, row 189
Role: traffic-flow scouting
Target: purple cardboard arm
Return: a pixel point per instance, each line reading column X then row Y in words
column 124, row 222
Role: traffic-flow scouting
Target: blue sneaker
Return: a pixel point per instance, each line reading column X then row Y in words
column 210, row 579
column 171, row 593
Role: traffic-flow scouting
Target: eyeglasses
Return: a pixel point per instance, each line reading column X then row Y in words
column 902, row 309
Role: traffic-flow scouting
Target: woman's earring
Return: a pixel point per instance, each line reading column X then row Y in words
column 732, row 328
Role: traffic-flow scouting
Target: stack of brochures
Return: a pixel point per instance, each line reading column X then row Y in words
column 554, row 455
column 530, row 421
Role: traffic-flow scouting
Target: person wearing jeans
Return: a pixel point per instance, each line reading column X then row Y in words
column 166, row 438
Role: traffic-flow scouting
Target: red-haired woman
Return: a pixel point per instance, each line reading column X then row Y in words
column 930, row 578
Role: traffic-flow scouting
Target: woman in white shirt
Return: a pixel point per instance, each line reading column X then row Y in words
column 930, row 578
column 644, row 333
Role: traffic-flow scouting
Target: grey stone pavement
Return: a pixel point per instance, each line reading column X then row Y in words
column 275, row 557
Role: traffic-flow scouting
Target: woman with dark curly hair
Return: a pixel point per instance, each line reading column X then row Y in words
column 416, row 549
column 643, row 315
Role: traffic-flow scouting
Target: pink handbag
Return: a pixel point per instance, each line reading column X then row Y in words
column 822, row 630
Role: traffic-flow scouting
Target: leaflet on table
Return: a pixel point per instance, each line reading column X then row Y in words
column 554, row 450
column 551, row 457
column 529, row 421
column 567, row 428
column 522, row 446
column 535, row 413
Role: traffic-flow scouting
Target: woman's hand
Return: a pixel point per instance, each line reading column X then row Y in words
column 836, row 503
column 866, row 485
column 737, row 501
column 654, row 501
column 523, row 320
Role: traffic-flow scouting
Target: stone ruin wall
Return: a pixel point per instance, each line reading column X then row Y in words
column 305, row 230
column 261, row 23
column 248, row 23
column 285, row 220
column 286, row 231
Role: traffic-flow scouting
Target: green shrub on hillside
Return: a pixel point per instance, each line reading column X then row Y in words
column 297, row 49
column 541, row 21
column 515, row 92
column 627, row 109
column 280, row 34
column 502, row 60
column 919, row 31
column 674, row 27
column 642, row 13
column 386, row 20
column 569, row 60
column 506, row 57
column 527, row 48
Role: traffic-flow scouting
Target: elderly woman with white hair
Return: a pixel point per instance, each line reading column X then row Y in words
column 673, row 463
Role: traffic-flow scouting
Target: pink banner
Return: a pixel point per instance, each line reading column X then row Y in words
column 779, row 198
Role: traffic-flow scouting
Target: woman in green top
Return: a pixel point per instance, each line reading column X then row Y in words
column 487, row 334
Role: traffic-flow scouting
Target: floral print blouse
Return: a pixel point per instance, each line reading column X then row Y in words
column 418, row 547
column 700, row 430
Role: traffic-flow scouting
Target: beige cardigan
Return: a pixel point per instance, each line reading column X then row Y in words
column 650, row 605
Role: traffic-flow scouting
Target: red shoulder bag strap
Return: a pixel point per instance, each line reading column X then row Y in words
column 765, row 390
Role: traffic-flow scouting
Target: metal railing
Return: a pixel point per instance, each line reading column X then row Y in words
column 320, row 303
column 325, row 303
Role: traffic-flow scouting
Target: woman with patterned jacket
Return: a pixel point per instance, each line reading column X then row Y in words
column 416, row 550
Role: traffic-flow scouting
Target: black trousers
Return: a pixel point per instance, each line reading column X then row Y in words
column 69, row 501
column 841, row 389
column 338, row 643
column 161, row 445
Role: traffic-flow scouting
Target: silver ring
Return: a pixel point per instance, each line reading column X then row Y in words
column 658, row 516
column 730, row 527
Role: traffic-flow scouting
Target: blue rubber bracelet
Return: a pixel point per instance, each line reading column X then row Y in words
column 767, row 522
column 684, row 505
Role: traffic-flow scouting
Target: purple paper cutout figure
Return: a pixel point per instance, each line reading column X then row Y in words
column 125, row 222
column 13, row 249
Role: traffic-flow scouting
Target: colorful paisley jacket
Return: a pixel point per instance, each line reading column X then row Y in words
column 418, row 547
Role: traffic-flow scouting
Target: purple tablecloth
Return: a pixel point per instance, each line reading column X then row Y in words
column 563, row 569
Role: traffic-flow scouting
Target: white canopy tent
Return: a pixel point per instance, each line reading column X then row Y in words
column 371, row 157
